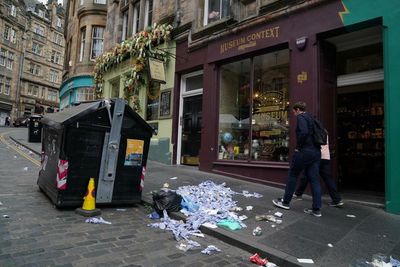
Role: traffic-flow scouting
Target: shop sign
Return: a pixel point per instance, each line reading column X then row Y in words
column 249, row 40
column 157, row 72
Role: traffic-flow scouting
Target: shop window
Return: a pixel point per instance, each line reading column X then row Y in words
column 115, row 89
column 153, row 101
column 102, row 2
column 84, row 94
column 253, row 122
column 212, row 11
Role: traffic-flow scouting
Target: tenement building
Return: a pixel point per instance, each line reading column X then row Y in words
column 84, row 35
column 31, row 56
column 12, row 27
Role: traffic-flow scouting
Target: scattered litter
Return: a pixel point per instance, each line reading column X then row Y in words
column 210, row 250
column 273, row 225
column 15, row 157
column 231, row 225
column 154, row 216
column 187, row 245
column 188, row 204
column 330, row 245
column 236, row 209
column 394, row 262
column 26, row 169
column 305, row 261
column 215, row 204
column 247, row 194
column 210, row 225
column 30, row 152
column 270, row 264
column 95, row 220
column 166, row 185
column 1, row 204
column 268, row 217
column 258, row 260
column 243, row 217
column 351, row 215
column 278, row 214
column 6, row 216
column 173, row 178
column 248, row 208
column 257, row 231
column 198, row 235
column 121, row 209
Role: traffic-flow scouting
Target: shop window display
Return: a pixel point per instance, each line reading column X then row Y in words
column 254, row 105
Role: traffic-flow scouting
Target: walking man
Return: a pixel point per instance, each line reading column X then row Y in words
column 325, row 171
column 306, row 157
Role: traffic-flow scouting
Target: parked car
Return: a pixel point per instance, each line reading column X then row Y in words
column 23, row 122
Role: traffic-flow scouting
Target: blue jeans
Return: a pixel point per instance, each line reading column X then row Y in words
column 325, row 172
column 307, row 159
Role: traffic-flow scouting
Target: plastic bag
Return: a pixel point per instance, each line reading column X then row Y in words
column 166, row 200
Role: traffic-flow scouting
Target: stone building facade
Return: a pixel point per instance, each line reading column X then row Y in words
column 12, row 24
column 32, row 51
column 43, row 58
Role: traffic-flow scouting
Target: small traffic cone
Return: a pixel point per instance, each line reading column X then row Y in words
column 89, row 203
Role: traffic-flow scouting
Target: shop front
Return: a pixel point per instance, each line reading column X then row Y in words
column 251, row 76
column 75, row 90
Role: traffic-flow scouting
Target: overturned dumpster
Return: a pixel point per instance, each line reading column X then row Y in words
column 105, row 140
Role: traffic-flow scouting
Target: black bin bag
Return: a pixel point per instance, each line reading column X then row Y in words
column 166, row 200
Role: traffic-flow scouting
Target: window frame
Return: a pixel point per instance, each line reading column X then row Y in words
column 82, row 43
column 96, row 38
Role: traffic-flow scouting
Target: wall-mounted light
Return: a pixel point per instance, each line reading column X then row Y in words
column 301, row 43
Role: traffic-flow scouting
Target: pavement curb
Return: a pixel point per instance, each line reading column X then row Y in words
column 278, row 257
column 24, row 145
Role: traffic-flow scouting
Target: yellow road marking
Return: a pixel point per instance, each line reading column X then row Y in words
column 19, row 151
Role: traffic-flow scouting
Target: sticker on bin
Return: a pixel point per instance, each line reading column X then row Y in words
column 134, row 152
column 62, row 172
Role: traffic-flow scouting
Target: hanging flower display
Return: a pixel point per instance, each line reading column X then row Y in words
column 140, row 47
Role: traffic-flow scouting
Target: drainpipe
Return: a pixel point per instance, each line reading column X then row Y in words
column 178, row 12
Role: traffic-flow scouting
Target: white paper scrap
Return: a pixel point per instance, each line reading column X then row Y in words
column 278, row 214
column 210, row 225
column 351, row 215
column 173, row 178
column 249, row 208
column 330, row 245
column 305, row 261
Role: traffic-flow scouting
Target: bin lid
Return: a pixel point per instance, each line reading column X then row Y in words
column 57, row 120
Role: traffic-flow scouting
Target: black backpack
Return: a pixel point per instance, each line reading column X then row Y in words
column 320, row 134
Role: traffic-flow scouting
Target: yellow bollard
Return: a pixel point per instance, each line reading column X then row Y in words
column 89, row 202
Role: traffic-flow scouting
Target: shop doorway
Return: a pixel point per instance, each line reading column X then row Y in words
column 190, row 122
column 360, row 120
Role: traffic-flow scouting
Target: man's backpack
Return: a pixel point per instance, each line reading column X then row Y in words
column 320, row 135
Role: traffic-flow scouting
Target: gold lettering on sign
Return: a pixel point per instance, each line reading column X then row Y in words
column 302, row 77
column 250, row 40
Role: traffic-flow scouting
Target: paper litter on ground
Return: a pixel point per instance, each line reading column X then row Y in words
column 305, row 261
column 215, row 204
column 351, row 215
column 95, row 220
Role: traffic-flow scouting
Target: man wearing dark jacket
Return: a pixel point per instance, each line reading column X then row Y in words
column 306, row 157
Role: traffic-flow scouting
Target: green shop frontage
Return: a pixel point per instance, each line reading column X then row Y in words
column 344, row 67
column 75, row 90
column 146, row 82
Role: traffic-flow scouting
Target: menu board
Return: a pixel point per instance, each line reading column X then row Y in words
column 165, row 104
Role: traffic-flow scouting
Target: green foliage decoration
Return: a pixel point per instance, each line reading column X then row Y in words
column 139, row 47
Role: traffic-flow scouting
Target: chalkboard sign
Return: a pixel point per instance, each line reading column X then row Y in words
column 165, row 104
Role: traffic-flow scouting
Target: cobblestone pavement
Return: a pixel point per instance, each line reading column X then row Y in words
column 37, row 234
